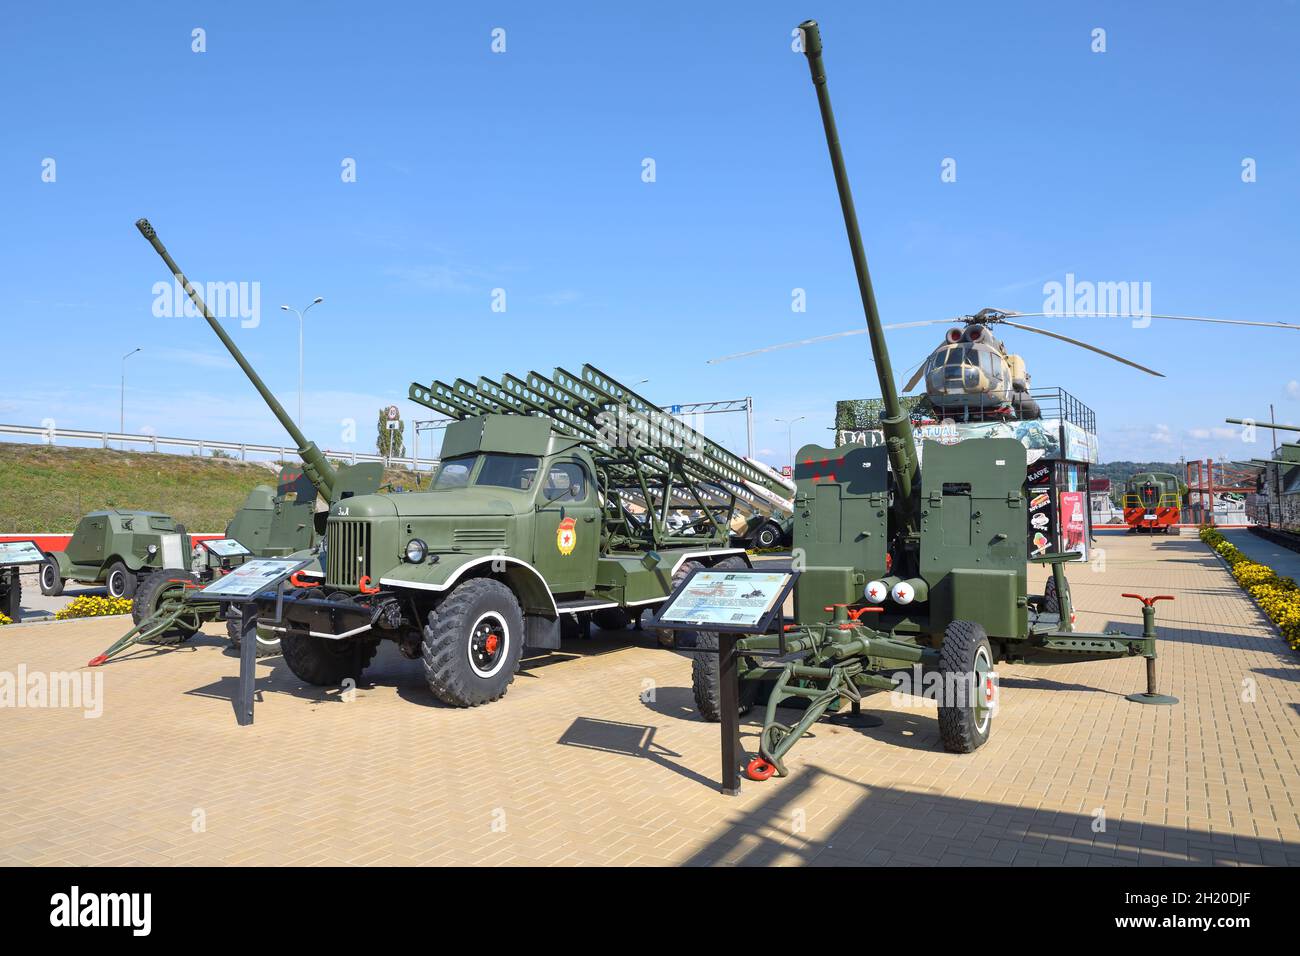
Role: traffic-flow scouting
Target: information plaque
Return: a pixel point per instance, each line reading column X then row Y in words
column 726, row 600
column 225, row 547
column 19, row 552
column 253, row 577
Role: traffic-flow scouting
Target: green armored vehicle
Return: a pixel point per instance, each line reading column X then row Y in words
column 118, row 549
column 551, row 505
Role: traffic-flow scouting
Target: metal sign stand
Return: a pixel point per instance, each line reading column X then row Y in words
column 728, row 662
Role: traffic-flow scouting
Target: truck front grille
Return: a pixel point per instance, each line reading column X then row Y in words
column 347, row 558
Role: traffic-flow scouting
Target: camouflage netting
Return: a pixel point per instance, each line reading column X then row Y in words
column 858, row 414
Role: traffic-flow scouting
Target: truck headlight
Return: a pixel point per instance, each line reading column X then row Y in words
column 416, row 550
column 152, row 549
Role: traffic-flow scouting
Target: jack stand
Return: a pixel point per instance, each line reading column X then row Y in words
column 855, row 718
column 1151, row 696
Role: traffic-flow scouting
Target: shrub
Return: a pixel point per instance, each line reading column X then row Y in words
column 93, row 606
column 1277, row 596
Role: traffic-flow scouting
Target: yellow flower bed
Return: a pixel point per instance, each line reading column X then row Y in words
column 5, row 619
column 1277, row 596
column 93, row 606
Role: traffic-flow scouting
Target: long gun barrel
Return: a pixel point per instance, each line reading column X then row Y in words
column 315, row 465
column 1262, row 424
column 897, row 426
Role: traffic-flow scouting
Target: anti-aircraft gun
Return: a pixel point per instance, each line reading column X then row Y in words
column 272, row 522
column 915, row 566
column 554, row 503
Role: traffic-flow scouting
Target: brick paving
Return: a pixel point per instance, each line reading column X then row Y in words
column 575, row 767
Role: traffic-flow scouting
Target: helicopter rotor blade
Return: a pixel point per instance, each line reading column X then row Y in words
column 1084, row 345
column 920, row 370
column 1174, row 318
column 821, row 338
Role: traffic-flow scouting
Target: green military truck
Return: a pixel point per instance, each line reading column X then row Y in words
column 118, row 549
column 552, row 504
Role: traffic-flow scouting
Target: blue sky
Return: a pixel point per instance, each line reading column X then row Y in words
column 522, row 171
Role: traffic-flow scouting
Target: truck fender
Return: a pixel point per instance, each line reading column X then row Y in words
column 521, row 577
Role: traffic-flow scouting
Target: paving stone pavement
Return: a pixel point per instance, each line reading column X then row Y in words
column 574, row 766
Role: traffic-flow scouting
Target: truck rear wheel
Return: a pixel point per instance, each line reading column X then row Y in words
column 472, row 643
column 267, row 645
column 706, row 668
column 968, row 691
column 706, row 686
column 156, row 590
column 120, row 582
column 51, row 582
column 769, row 536
column 323, row 662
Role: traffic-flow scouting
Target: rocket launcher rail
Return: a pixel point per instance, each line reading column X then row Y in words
column 636, row 443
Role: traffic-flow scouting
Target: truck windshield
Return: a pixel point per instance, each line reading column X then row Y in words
column 497, row 470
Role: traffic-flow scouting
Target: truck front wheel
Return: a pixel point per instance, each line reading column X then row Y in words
column 472, row 643
column 323, row 662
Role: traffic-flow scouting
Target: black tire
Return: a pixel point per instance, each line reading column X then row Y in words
column 964, row 725
column 323, row 662
column 266, row 646
column 611, row 619
column 150, row 595
column 472, row 643
column 1052, row 603
column 14, row 599
column 51, row 582
column 768, row 536
column 706, row 668
column 120, row 582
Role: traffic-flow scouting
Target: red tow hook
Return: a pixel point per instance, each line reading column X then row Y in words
column 1149, row 601
column 300, row 583
column 759, row 769
column 857, row 612
column 364, row 586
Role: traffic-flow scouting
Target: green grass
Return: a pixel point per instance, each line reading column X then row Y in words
column 46, row 489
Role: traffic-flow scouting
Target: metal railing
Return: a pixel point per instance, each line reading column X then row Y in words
column 50, row 435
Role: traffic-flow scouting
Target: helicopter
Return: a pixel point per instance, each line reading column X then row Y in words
column 972, row 375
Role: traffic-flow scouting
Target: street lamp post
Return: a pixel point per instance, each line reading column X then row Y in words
column 121, row 406
column 789, row 436
column 316, row 301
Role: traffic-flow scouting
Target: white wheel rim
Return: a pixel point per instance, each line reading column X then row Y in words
column 983, row 714
column 119, row 577
column 47, row 576
column 502, row 652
